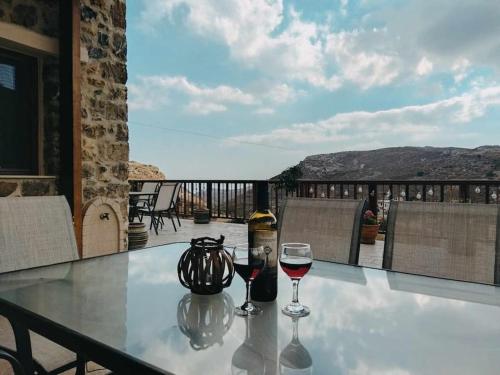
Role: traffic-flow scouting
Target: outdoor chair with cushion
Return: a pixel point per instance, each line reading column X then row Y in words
column 457, row 241
column 34, row 232
column 163, row 207
column 331, row 226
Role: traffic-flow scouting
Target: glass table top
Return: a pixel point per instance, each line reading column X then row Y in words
column 363, row 321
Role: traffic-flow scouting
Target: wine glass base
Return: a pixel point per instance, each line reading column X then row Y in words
column 295, row 310
column 249, row 309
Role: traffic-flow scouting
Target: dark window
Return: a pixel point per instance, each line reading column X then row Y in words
column 18, row 113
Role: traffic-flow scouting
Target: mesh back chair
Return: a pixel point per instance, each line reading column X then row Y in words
column 457, row 241
column 175, row 199
column 144, row 202
column 36, row 231
column 331, row 226
column 163, row 206
column 149, row 187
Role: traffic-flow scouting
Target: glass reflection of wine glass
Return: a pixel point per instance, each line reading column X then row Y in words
column 205, row 319
column 296, row 260
column 247, row 359
column 248, row 262
column 295, row 359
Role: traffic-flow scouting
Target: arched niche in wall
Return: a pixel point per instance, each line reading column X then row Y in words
column 103, row 229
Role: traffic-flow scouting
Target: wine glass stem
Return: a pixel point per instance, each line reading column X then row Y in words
column 295, row 337
column 295, row 283
column 249, row 284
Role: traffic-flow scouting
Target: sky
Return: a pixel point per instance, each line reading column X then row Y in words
column 242, row 89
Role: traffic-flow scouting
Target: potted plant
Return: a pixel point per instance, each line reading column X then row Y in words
column 370, row 227
column 201, row 215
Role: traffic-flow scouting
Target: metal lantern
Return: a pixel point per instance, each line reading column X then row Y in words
column 206, row 267
column 205, row 319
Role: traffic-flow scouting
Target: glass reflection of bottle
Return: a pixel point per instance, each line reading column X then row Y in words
column 295, row 359
column 259, row 353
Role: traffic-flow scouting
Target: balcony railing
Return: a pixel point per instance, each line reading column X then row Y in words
column 235, row 199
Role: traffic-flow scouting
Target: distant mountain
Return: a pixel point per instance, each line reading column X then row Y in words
column 140, row 171
column 405, row 163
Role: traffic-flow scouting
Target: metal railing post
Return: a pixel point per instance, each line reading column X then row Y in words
column 209, row 198
column 372, row 198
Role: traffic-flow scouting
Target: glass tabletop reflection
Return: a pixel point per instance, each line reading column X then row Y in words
column 362, row 320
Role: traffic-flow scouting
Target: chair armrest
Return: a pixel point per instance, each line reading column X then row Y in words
column 13, row 361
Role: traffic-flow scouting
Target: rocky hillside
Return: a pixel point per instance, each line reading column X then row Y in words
column 139, row 171
column 405, row 163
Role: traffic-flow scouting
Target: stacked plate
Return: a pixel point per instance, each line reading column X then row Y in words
column 137, row 236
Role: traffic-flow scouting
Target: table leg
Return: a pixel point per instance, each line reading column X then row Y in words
column 23, row 346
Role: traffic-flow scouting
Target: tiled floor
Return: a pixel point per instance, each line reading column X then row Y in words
column 370, row 255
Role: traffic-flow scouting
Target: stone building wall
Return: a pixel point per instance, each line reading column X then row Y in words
column 41, row 16
column 105, row 147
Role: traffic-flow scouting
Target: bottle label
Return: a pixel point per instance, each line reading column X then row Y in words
column 268, row 239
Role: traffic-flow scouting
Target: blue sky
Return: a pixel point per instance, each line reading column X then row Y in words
column 247, row 88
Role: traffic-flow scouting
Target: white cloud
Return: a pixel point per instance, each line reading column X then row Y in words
column 204, row 108
column 460, row 69
column 249, row 29
column 264, row 111
column 283, row 93
column 445, row 31
column 424, row 66
column 417, row 123
column 152, row 92
column 343, row 7
column 410, row 41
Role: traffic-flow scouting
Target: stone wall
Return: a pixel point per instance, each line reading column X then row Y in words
column 104, row 100
column 40, row 16
column 26, row 187
column 105, row 147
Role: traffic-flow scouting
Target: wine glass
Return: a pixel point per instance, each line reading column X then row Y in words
column 295, row 359
column 248, row 263
column 296, row 260
column 248, row 358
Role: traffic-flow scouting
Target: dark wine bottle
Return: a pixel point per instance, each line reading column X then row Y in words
column 262, row 231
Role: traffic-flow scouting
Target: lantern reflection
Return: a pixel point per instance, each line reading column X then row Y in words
column 205, row 319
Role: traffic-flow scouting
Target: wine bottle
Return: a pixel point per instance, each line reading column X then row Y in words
column 262, row 231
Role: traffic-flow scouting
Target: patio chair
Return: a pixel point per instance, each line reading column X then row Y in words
column 331, row 226
column 36, row 231
column 163, row 207
column 457, row 241
column 145, row 202
column 175, row 199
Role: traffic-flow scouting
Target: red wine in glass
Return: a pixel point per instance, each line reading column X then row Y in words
column 248, row 270
column 296, row 267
